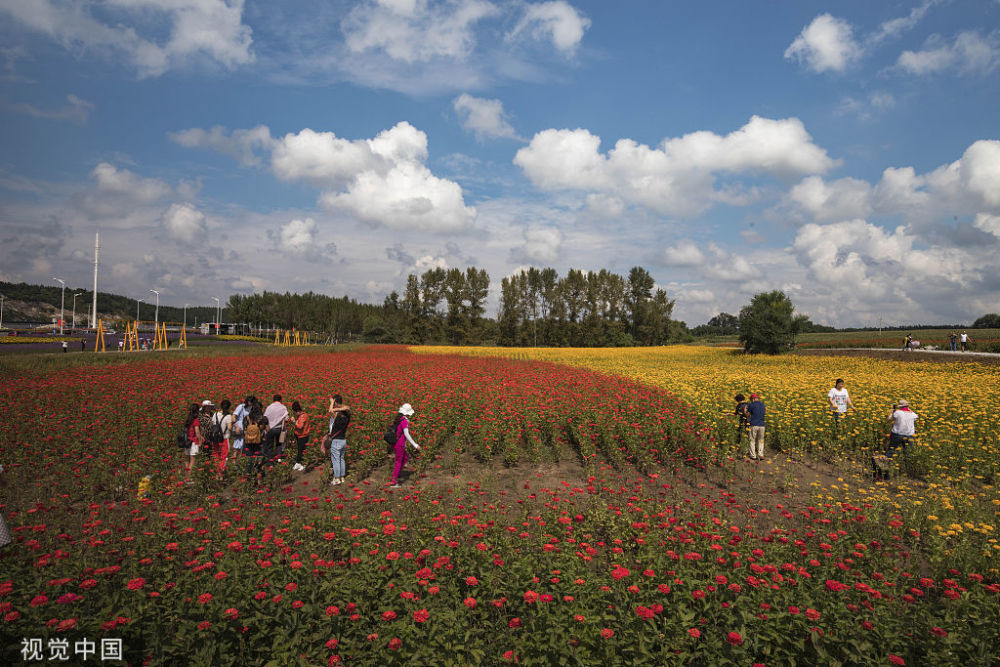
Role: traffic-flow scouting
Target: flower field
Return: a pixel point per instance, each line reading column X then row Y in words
column 649, row 546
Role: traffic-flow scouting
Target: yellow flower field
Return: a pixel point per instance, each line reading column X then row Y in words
column 957, row 452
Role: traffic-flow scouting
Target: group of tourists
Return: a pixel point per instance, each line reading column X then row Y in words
column 954, row 340
column 963, row 339
column 260, row 435
column 751, row 417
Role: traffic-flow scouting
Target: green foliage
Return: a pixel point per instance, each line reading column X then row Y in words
column 342, row 318
column 768, row 324
column 722, row 324
column 594, row 309
column 987, row 321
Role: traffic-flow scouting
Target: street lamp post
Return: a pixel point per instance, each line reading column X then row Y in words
column 62, row 306
column 217, row 302
column 74, row 307
column 137, row 302
column 156, row 317
column 2, row 297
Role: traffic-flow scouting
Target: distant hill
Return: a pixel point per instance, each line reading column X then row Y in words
column 24, row 303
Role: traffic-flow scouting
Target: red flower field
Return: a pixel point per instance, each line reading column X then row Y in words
column 635, row 551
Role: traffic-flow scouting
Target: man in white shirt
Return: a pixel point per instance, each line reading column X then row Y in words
column 964, row 340
column 275, row 414
column 839, row 401
column 903, row 420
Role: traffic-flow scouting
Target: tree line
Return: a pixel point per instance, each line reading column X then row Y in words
column 448, row 306
column 585, row 309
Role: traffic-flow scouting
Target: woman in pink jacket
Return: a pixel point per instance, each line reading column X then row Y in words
column 402, row 424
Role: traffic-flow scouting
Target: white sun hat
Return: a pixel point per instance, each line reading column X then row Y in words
column 406, row 410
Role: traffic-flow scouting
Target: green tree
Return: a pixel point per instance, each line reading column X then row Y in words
column 768, row 324
column 987, row 321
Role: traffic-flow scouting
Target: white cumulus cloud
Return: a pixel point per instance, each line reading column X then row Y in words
column 242, row 145
column 677, row 177
column 484, row 117
column 557, row 21
column 683, row 253
column 382, row 180
column 205, row 28
column 541, row 245
column 834, row 200
column 297, row 235
column 111, row 180
column 988, row 223
column 969, row 53
column 415, row 30
column 826, row 44
column 184, row 222
column 968, row 185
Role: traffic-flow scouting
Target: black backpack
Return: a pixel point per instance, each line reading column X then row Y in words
column 215, row 435
column 340, row 424
column 390, row 434
column 182, row 438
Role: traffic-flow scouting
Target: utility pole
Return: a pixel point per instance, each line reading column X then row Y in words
column 62, row 306
column 156, row 318
column 74, row 308
column 93, row 311
column 137, row 302
column 217, row 304
column 185, row 316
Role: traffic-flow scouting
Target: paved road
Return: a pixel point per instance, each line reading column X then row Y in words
column 896, row 349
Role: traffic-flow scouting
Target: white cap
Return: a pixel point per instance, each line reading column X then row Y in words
column 206, row 402
column 406, row 410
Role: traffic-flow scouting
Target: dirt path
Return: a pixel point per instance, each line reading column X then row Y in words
column 936, row 356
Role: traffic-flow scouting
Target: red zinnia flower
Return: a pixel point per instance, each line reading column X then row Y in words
column 421, row 615
column 694, row 632
column 136, row 584
column 896, row 660
column 735, row 638
column 607, row 633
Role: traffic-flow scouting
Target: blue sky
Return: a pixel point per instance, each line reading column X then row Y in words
column 845, row 152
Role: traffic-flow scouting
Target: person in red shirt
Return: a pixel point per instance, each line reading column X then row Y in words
column 302, row 429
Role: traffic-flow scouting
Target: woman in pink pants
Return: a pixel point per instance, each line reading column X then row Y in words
column 402, row 424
